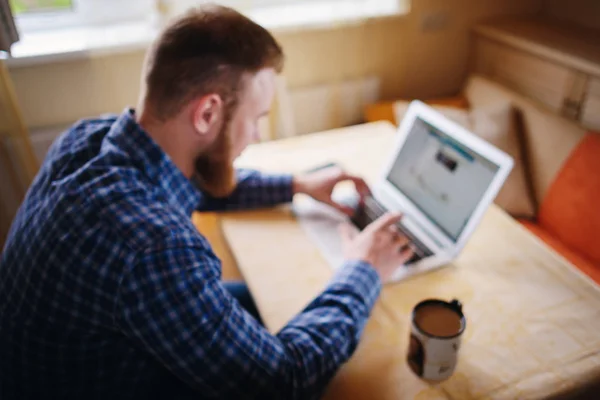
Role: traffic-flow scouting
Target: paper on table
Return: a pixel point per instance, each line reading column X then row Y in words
column 320, row 223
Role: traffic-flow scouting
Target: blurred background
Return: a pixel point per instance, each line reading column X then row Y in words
column 82, row 58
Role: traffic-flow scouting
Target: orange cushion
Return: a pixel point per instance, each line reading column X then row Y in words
column 384, row 111
column 570, row 210
column 584, row 265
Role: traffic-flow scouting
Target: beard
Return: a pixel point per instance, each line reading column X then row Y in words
column 215, row 173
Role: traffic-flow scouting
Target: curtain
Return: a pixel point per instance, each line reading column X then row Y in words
column 8, row 29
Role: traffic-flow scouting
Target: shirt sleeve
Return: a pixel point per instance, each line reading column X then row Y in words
column 254, row 189
column 173, row 305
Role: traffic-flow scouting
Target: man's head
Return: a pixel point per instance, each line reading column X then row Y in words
column 210, row 76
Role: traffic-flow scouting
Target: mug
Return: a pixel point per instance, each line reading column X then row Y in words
column 435, row 337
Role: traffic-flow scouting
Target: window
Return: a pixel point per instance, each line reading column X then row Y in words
column 20, row 7
column 275, row 14
column 39, row 15
column 53, row 29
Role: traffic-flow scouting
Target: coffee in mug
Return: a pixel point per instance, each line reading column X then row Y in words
column 436, row 331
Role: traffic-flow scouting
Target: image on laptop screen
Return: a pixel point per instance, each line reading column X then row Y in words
column 443, row 178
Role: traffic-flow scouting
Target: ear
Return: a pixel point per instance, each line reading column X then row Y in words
column 208, row 113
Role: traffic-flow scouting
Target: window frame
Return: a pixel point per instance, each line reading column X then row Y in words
column 86, row 13
column 65, row 38
column 90, row 13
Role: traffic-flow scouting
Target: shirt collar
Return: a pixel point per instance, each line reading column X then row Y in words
column 129, row 136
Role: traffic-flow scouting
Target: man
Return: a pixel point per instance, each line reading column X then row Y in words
column 106, row 288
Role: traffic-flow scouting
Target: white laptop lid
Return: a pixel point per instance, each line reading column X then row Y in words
column 441, row 176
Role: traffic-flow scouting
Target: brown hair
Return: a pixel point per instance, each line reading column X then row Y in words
column 207, row 50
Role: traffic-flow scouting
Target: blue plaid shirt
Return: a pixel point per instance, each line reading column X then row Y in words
column 107, row 290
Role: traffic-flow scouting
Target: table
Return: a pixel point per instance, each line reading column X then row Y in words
column 533, row 319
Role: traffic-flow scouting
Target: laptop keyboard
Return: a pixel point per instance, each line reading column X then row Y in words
column 373, row 210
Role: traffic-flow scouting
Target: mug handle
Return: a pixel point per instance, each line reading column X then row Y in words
column 457, row 305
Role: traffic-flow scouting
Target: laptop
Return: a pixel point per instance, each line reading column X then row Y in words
column 439, row 175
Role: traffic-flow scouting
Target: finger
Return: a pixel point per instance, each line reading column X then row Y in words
column 405, row 254
column 385, row 221
column 401, row 240
column 347, row 232
column 394, row 229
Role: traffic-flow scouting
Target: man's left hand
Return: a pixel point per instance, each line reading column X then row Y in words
column 320, row 184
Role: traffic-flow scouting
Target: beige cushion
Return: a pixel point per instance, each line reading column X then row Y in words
column 497, row 124
column 458, row 115
column 549, row 138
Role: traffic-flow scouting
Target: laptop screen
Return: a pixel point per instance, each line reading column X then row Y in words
column 442, row 177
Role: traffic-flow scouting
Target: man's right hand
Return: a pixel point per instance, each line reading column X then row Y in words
column 379, row 244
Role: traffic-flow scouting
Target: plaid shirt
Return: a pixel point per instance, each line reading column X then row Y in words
column 108, row 291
